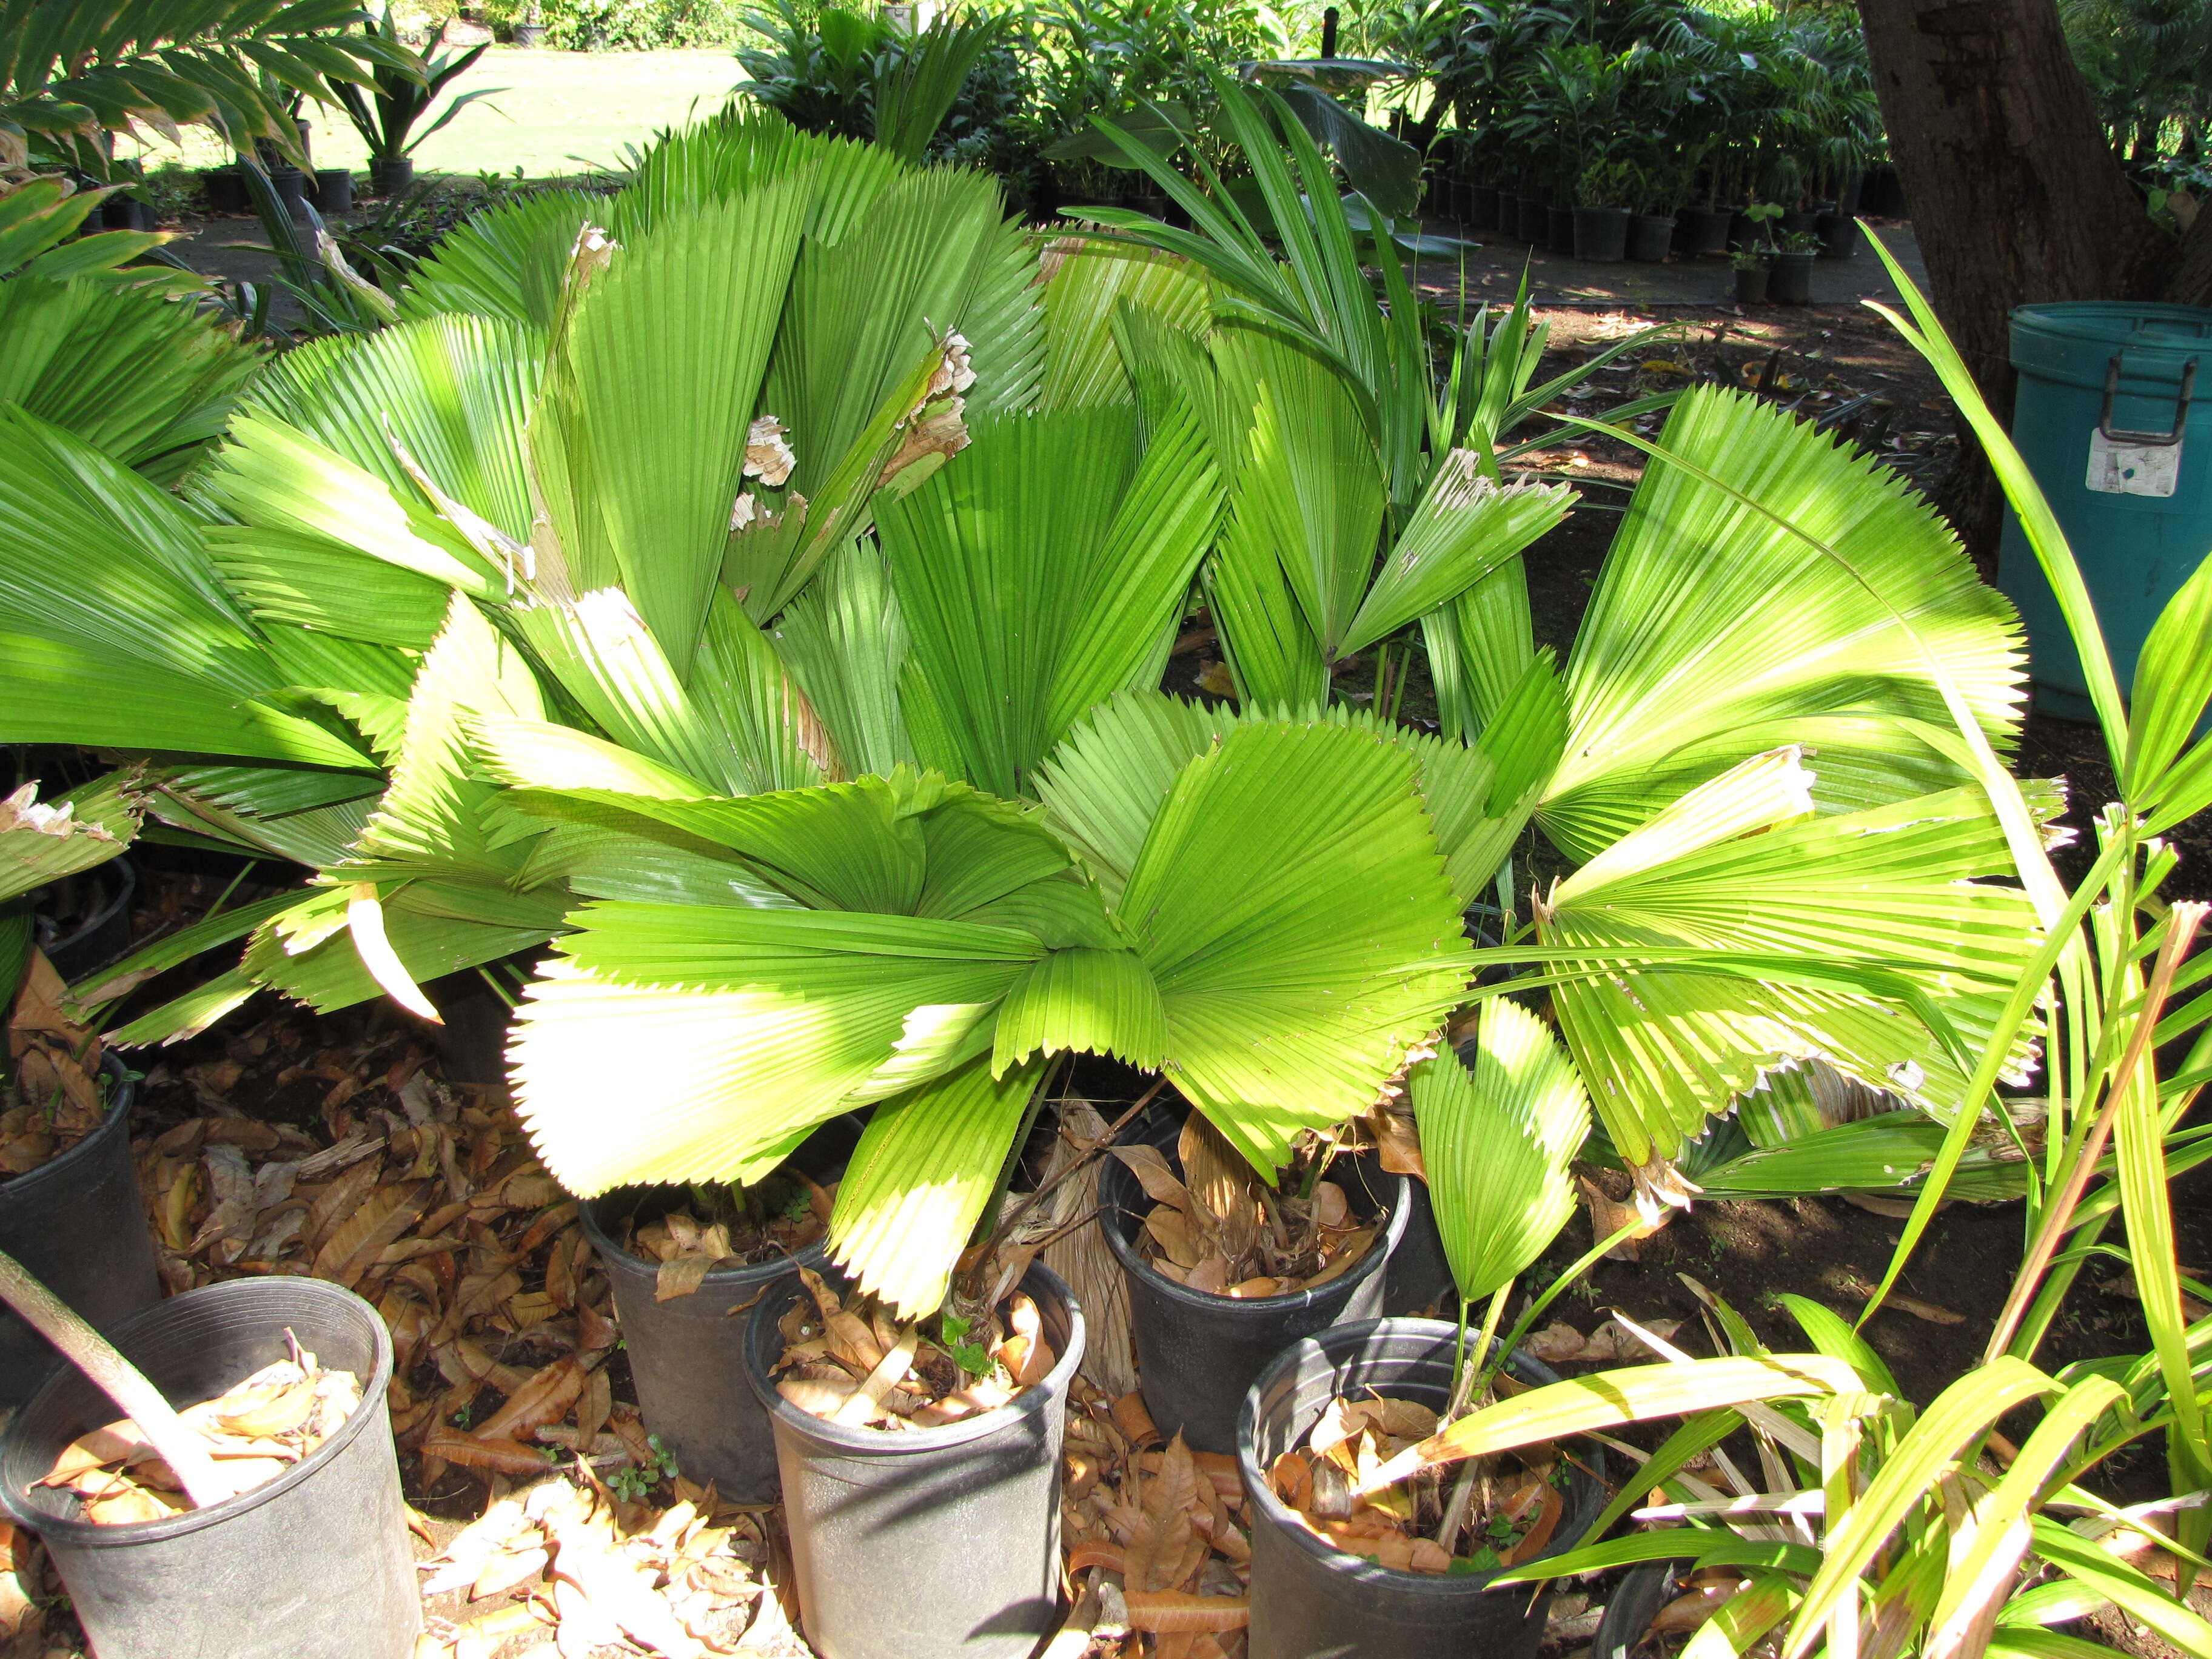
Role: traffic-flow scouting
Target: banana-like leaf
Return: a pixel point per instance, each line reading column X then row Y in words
column 1077, row 550
column 920, row 1176
column 145, row 378
column 42, row 841
column 1741, row 865
column 1497, row 1134
column 1716, row 633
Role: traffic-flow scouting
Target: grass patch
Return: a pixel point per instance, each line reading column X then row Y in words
column 558, row 105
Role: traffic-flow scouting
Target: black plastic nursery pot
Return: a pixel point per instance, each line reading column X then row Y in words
column 315, row 1564
column 390, row 175
column 1791, row 282
column 940, row 1544
column 225, row 190
column 1751, row 284
column 1482, row 207
column 1311, row 1600
column 1601, row 233
column 84, row 921
column 1650, row 237
column 77, row 1224
column 1533, row 218
column 1196, row 1352
column 1707, row 230
column 333, row 189
column 1839, row 236
column 687, row 1355
column 291, row 187
column 1560, row 234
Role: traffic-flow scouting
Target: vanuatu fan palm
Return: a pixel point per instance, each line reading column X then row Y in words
column 430, row 520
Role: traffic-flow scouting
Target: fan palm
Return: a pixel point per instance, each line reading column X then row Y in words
column 113, row 352
column 75, row 70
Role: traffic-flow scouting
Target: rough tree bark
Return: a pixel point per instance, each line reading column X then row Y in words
column 2015, row 197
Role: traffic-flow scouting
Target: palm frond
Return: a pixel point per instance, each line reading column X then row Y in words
column 1721, row 629
column 1498, row 1131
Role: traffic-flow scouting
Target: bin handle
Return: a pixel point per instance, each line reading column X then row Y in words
column 2146, row 440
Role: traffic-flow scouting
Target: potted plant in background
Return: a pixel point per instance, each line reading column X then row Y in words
column 1753, row 269
column 1790, row 281
column 1601, row 216
column 385, row 113
column 1409, row 1572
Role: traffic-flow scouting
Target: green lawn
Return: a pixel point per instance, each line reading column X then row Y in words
column 558, row 105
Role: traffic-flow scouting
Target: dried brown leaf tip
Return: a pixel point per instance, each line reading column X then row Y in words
column 1486, row 1513
column 1217, row 1227
column 255, row 1431
column 846, row 1360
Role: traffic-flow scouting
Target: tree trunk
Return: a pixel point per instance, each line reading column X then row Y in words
column 2016, row 195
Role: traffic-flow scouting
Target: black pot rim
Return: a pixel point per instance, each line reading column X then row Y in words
column 617, row 1258
column 119, row 866
column 84, row 1535
column 115, row 1111
column 864, row 1441
column 1378, row 1253
column 1274, row 1512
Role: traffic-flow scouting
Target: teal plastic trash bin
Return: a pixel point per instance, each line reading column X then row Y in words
column 2111, row 419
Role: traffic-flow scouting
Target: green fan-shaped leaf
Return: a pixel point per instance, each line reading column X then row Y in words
column 1077, row 551
column 721, row 1029
column 1085, row 284
column 505, row 263
column 147, row 379
column 44, row 841
column 1718, row 633
column 1498, row 1131
column 452, row 394
column 1292, row 904
column 1740, row 867
column 919, row 1180
column 639, row 439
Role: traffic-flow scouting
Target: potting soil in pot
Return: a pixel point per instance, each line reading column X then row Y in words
column 1471, row 1516
column 254, row 1431
column 688, row 1248
column 846, row 1361
column 1221, row 1230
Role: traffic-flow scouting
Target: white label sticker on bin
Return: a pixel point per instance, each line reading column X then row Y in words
column 2132, row 469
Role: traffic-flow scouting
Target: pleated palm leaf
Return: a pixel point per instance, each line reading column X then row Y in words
column 1283, row 932
column 1498, row 1128
column 113, row 353
column 475, row 514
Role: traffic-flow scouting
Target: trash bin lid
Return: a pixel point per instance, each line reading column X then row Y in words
column 2073, row 341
